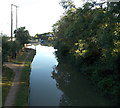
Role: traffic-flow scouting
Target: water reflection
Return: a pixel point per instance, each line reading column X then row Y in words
column 66, row 87
column 77, row 91
column 43, row 90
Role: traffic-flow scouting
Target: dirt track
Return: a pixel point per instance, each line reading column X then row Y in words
column 17, row 68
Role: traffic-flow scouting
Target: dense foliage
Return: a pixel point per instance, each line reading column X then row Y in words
column 89, row 38
column 22, row 35
column 11, row 48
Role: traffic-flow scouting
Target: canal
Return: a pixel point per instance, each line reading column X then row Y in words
column 59, row 84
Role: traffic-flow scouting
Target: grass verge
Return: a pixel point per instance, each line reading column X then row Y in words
column 22, row 95
column 7, row 78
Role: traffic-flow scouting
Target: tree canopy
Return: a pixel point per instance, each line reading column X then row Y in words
column 11, row 48
column 22, row 35
column 90, row 38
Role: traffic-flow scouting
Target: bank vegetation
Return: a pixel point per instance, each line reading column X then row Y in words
column 88, row 37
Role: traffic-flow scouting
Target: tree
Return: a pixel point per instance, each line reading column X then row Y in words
column 89, row 37
column 9, row 48
column 67, row 4
column 22, row 35
column 5, row 49
column 14, row 48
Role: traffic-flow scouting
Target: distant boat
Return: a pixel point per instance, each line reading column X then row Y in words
column 28, row 44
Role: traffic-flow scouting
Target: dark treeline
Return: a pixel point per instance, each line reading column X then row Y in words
column 11, row 48
column 89, row 38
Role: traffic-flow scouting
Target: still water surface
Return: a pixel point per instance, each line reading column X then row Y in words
column 58, row 84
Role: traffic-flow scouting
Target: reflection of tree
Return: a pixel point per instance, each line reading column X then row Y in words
column 66, row 81
column 62, row 78
column 65, row 101
column 76, row 90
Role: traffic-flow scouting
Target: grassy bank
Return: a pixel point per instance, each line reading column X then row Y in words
column 22, row 95
column 7, row 78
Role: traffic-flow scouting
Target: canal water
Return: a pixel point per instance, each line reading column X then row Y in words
column 59, row 84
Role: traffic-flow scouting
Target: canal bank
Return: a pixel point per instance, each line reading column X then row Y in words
column 23, row 94
column 21, row 67
column 58, row 84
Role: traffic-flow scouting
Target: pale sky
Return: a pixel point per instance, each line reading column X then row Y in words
column 37, row 16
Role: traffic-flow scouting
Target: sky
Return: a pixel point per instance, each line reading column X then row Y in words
column 37, row 16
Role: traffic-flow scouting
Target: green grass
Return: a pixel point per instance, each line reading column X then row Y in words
column 7, row 78
column 22, row 96
column 20, row 58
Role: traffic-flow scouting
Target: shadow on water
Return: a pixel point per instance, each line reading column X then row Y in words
column 77, row 90
column 54, row 83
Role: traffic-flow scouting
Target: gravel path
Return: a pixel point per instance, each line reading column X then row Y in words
column 17, row 68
